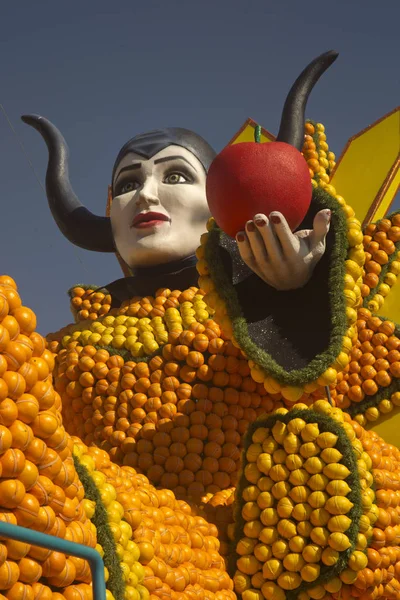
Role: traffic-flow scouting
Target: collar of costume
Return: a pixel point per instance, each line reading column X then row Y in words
column 179, row 274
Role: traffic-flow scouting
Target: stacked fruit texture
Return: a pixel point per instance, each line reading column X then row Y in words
column 159, row 393
column 152, row 544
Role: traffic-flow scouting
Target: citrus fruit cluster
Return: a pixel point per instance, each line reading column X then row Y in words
column 141, row 325
column 374, row 364
column 316, row 152
column 380, row 578
column 179, row 552
column 306, row 505
column 382, row 265
column 39, row 486
column 89, row 303
column 178, row 418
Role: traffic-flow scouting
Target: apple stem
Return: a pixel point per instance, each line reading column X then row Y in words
column 257, row 134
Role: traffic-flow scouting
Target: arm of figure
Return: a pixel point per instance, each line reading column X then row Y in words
column 283, row 259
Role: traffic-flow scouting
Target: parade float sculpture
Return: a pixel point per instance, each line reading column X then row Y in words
column 209, row 439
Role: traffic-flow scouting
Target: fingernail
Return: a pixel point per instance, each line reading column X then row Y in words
column 240, row 236
column 275, row 219
column 250, row 226
column 328, row 215
column 260, row 222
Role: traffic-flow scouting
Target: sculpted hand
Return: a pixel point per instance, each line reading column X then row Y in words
column 283, row 259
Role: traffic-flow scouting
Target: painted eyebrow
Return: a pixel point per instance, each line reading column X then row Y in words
column 156, row 162
column 128, row 168
column 167, row 158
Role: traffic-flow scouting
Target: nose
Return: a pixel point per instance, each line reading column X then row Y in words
column 148, row 193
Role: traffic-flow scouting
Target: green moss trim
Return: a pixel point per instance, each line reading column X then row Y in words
column 344, row 446
column 336, row 300
column 105, row 537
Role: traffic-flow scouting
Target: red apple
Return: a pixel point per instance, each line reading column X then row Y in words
column 250, row 178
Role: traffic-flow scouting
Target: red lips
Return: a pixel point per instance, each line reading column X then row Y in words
column 148, row 219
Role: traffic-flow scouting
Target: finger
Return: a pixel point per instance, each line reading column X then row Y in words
column 270, row 242
column 287, row 240
column 245, row 250
column 250, row 260
column 256, row 244
column 321, row 226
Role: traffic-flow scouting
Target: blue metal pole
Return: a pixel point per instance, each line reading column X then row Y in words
column 28, row 536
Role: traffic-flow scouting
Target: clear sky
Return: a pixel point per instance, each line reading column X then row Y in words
column 104, row 71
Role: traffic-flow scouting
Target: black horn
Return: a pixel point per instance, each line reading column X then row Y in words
column 291, row 129
column 80, row 226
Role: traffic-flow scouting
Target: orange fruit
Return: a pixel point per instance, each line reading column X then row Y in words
column 45, row 424
column 21, row 434
column 12, row 492
column 6, row 280
column 15, row 383
column 27, row 511
column 26, row 319
column 5, row 439
column 29, row 475
column 28, row 408
column 41, row 366
column 12, row 462
column 11, row 324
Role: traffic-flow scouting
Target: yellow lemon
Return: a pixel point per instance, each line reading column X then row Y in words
column 310, row 572
column 280, row 549
column 317, row 499
column 296, row 426
column 358, row 561
column 339, row 523
column 339, row 541
column 310, row 432
column 312, row 553
column 272, row 569
column 289, row 580
column 285, row 507
column 331, row 455
column 338, row 487
column 338, row 505
column 253, row 452
column 294, row 461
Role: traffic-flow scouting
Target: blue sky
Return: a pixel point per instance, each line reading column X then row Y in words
column 103, row 71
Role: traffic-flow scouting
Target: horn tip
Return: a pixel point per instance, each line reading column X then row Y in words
column 31, row 119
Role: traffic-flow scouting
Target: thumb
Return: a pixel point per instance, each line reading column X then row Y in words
column 321, row 226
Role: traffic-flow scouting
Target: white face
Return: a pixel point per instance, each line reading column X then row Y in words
column 159, row 209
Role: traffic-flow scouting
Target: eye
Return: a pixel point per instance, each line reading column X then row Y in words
column 130, row 186
column 174, row 178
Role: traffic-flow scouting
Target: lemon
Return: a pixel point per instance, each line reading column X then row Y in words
column 245, row 546
column 331, row 455
column 272, row 569
column 339, row 541
column 317, row 499
column 260, row 435
column 312, row 553
column 262, row 552
column 339, row 523
column 296, row 426
column 280, row 548
column 358, row 561
column 289, row 580
column 338, row 505
column 310, row 572
column 265, row 500
column 310, row 432
column 291, row 443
